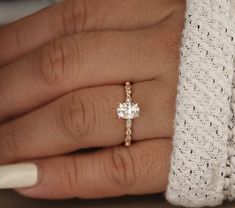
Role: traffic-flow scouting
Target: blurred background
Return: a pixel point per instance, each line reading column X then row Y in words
column 11, row 10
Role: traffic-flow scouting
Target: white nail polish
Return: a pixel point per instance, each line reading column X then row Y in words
column 19, row 175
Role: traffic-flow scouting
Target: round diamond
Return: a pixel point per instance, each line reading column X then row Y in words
column 128, row 110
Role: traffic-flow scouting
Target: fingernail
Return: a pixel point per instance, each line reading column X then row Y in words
column 18, row 175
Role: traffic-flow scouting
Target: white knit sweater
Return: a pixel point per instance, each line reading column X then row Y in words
column 203, row 159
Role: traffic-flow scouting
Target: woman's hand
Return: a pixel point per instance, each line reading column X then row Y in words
column 61, row 79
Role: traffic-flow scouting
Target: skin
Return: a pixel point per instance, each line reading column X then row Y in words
column 61, row 79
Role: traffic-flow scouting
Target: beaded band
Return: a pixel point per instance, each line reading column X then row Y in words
column 128, row 111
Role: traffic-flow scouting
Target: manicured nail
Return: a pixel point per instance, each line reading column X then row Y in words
column 18, row 175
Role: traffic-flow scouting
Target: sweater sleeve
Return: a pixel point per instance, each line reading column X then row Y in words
column 203, row 157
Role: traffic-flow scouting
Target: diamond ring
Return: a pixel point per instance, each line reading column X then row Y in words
column 128, row 111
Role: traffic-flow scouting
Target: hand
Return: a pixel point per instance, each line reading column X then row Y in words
column 61, row 79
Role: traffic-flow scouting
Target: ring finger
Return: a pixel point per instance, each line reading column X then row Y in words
column 87, row 118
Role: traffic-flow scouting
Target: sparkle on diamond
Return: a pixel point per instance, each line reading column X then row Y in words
column 128, row 110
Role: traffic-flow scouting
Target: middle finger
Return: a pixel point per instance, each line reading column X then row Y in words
column 85, row 60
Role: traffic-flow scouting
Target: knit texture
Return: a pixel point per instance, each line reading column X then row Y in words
column 201, row 173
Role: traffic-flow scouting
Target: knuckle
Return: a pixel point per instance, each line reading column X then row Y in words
column 74, row 16
column 75, row 117
column 11, row 148
column 71, row 174
column 121, row 168
column 55, row 62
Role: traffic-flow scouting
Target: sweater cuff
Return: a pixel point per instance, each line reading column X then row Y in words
column 229, row 183
column 199, row 163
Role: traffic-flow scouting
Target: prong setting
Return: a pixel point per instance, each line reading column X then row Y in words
column 128, row 111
